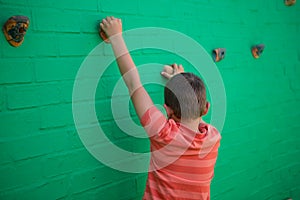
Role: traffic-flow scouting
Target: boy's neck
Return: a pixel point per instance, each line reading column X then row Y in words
column 192, row 124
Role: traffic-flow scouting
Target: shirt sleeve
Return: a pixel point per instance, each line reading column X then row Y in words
column 153, row 121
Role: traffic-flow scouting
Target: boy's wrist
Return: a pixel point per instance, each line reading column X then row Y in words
column 115, row 39
column 118, row 45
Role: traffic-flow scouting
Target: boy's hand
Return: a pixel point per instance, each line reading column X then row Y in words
column 171, row 70
column 111, row 26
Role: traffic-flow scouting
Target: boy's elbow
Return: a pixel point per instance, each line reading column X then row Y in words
column 132, row 80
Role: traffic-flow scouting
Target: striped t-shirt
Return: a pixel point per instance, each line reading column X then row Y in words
column 182, row 161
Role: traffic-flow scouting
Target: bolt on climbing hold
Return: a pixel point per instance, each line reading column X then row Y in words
column 219, row 54
column 257, row 50
column 15, row 29
column 289, row 2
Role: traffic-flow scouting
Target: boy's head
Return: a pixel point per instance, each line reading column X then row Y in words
column 185, row 95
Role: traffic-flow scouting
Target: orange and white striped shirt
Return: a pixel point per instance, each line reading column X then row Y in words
column 182, row 161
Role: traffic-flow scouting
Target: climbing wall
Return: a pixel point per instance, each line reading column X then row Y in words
column 41, row 154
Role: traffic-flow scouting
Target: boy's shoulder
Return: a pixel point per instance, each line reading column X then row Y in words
column 212, row 131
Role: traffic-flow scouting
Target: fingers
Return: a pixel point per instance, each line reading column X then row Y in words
column 175, row 68
column 166, row 75
column 180, row 69
column 110, row 26
column 109, row 19
column 104, row 21
column 169, row 70
column 169, row 73
column 101, row 25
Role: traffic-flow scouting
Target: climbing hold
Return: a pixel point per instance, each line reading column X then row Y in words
column 289, row 2
column 15, row 29
column 103, row 36
column 257, row 50
column 218, row 54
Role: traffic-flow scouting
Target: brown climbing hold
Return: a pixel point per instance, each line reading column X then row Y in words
column 103, row 36
column 219, row 54
column 289, row 2
column 15, row 29
column 257, row 50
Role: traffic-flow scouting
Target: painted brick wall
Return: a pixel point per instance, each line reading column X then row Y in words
column 41, row 155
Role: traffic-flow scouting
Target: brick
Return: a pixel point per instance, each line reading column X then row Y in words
column 20, row 174
column 67, row 162
column 92, row 137
column 57, row 186
column 45, row 45
column 125, row 189
column 54, row 116
column 67, row 5
column 55, row 20
column 89, row 194
column 190, row 10
column 151, row 8
column 84, row 112
column 107, row 87
column 77, row 45
column 56, row 69
column 118, row 7
column 140, row 183
column 2, row 97
column 94, row 178
column 133, row 21
column 37, row 145
column 16, row 71
column 4, row 155
column 10, row 9
column 126, row 127
column 66, row 91
column 83, row 89
column 7, row 3
column 293, row 74
column 223, row 30
column 140, row 145
column 254, row 6
column 90, row 22
column 265, row 191
column 84, row 86
column 19, row 123
column 74, row 138
column 103, row 109
column 222, row 15
column 26, row 96
column 111, row 131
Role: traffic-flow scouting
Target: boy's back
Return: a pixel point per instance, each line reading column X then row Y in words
column 182, row 161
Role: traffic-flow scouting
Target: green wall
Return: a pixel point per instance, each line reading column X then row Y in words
column 41, row 155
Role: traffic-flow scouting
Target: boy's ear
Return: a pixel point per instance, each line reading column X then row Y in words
column 206, row 108
column 168, row 110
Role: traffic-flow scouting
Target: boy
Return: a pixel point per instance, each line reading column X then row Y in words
column 183, row 147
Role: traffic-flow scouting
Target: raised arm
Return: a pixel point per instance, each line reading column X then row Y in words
column 139, row 96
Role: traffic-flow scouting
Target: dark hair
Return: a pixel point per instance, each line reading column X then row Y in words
column 185, row 94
